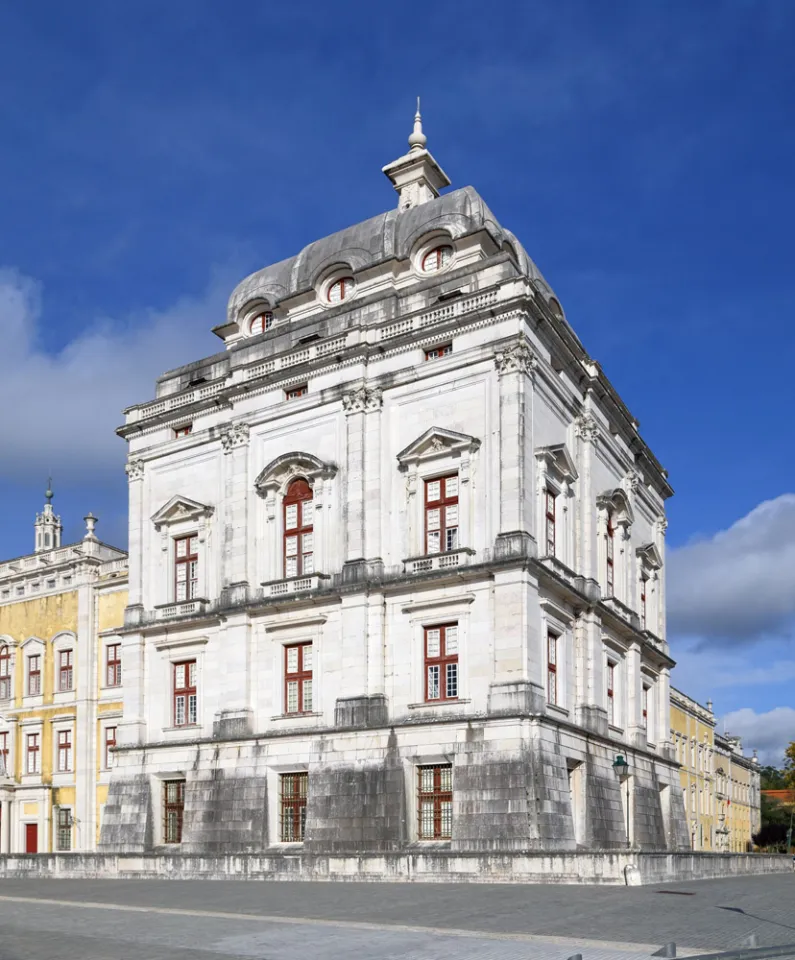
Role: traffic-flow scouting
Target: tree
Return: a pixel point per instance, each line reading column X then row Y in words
column 773, row 812
column 789, row 764
column 772, row 835
column 771, row 778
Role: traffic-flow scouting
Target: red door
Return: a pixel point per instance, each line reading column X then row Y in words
column 31, row 838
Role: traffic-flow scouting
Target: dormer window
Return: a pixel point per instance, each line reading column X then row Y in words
column 184, row 430
column 261, row 322
column 436, row 353
column 437, row 258
column 340, row 290
column 295, row 392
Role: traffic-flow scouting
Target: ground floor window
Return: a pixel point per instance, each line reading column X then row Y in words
column 293, row 806
column 173, row 810
column 63, row 829
column 435, row 802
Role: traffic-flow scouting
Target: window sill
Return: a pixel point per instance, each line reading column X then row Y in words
column 555, row 710
column 297, row 716
column 617, row 730
column 450, row 702
column 184, row 726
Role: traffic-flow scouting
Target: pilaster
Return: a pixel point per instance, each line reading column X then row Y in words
column 518, row 681
column 236, row 532
column 135, row 476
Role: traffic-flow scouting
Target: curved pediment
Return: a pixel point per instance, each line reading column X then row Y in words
column 437, row 442
column 617, row 502
column 181, row 508
column 283, row 469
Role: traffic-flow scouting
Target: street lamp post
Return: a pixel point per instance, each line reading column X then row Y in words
column 621, row 767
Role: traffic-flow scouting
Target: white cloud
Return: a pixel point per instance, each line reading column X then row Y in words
column 60, row 410
column 737, row 586
column 769, row 733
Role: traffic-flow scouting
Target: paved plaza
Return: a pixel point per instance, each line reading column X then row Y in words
column 204, row 920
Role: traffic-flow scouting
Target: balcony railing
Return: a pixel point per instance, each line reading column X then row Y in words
column 182, row 608
column 438, row 561
column 286, row 588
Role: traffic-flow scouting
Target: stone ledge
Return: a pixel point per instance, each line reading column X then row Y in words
column 616, row 868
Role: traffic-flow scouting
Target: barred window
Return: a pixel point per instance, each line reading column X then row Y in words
column 294, row 788
column 441, row 514
column 435, row 802
column 185, row 700
column 173, row 810
column 65, row 670
column 298, row 678
column 64, row 829
column 441, row 662
column 186, row 567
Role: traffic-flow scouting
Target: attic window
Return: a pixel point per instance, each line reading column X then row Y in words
column 196, row 381
column 183, row 430
column 437, row 258
column 295, row 392
column 340, row 290
column 435, row 353
column 262, row 322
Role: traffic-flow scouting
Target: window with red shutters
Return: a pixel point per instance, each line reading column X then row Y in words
column 437, row 258
column 185, row 700
column 186, row 567
column 441, row 514
column 184, row 431
column 436, row 353
column 262, row 322
column 435, row 802
column 110, row 743
column 65, row 670
column 64, row 751
column 611, row 692
column 294, row 787
column 644, row 581
column 610, row 544
column 295, row 392
column 113, row 665
column 299, row 550
column 5, row 673
column 441, row 662
column 5, row 770
column 549, row 512
column 645, row 707
column 298, row 678
column 32, row 753
column 34, row 675
column 552, row 667
column 173, row 810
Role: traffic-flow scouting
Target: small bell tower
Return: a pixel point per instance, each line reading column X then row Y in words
column 416, row 176
column 48, row 525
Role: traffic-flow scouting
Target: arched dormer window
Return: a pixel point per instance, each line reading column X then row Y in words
column 340, row 290
column 5, row 672
column 299, row 518
column 260, row 323
column 437, row 258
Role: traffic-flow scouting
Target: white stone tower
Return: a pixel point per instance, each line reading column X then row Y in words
column 48, row 524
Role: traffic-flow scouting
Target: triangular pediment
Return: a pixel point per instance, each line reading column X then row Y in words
column 437, row 442
column 560, row 460
column 650, row 555
column 181, row 508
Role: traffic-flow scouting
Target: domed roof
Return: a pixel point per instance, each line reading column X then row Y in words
column 388, row 236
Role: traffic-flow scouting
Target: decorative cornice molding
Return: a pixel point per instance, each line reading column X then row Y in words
column 234, row 435
column 661, row 525
column 364, row 399
column 586, row 428
column 518, row 358
column 134, row 470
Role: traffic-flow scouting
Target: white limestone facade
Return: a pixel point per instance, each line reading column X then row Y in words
column 396, row 573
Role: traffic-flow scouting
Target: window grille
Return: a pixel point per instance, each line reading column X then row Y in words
column 294, row 787
column 173, row 810
column 435, row 802
column 64, row 829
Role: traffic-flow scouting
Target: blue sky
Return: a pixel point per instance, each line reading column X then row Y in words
column 153, row 154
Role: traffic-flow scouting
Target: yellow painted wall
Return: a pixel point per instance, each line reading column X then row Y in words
column 692, row 775
column 110, row 609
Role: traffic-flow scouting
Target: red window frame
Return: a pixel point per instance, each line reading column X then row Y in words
column 65, row 670
column 552, row 667
column 435, row 802
column 345, row 285
column 5, row 673
column 113, row 665
column 110, row 742
column 64, row 751
column 550, row 516
column 4, row 753
column 645, row 707
column 186, row 709
column 186, row 567
column 442, row 514
column 298, row 678
column 34, row 675
column 293, row 393
column 293, row 790
column 643, row 582
column 442, row 679
column 298, row 560
column 436, row 353
column 173, row 810
column 183, row 431
column 611, row 692
column 32, row 753
column 610, row 557
column 262, row 322
column 435, row 259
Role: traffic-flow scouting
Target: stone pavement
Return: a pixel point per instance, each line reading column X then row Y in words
column 205, row 920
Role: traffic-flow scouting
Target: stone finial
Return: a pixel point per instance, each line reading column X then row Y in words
column 417, row 139
column 48, row 494
column 91, row 521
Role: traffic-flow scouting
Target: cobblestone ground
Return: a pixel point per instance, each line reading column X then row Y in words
column 149, row 920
